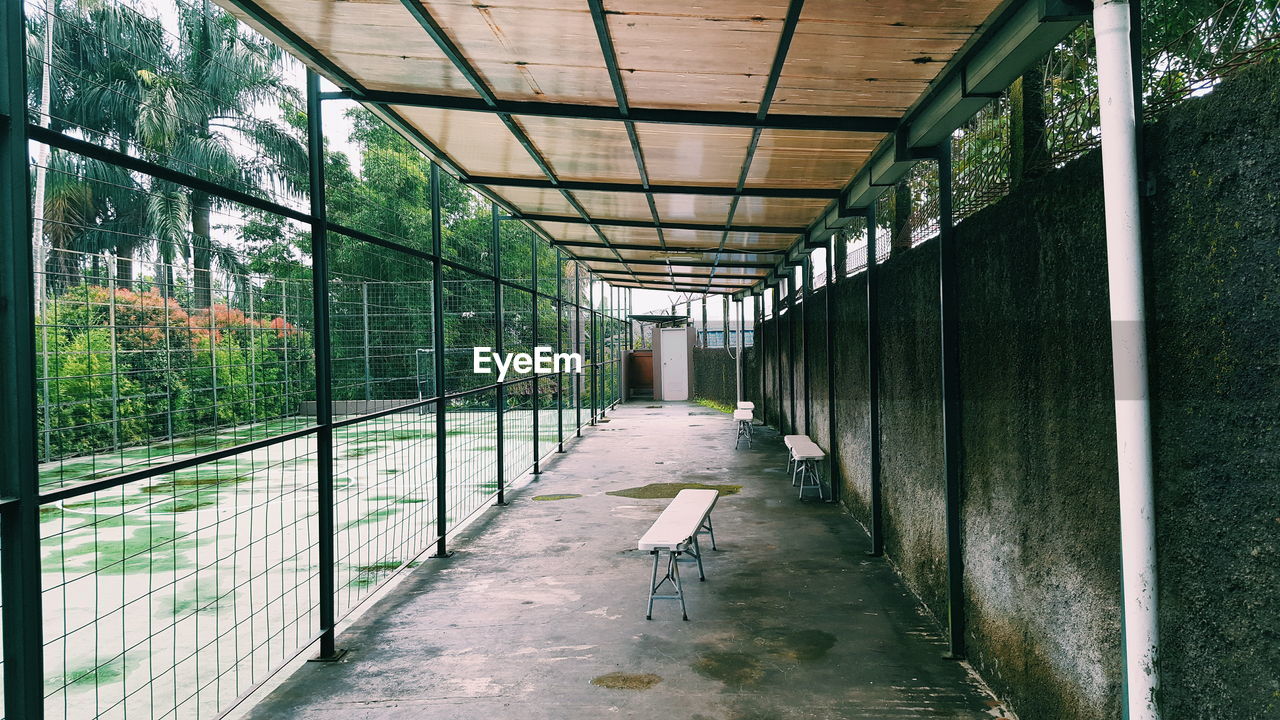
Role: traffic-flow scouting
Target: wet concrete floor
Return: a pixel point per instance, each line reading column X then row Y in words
column 540, row 613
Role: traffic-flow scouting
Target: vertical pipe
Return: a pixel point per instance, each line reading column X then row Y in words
column 830, row 346
column 948, row 278
column 559, row 349
column 500, row 332
column 537, row 381
column 437, row 344
column 703, row 342
column 807, row 294
column 777, row 350
column 873, row 384
column 20, row 519
column 1120, row 157
column 324, row 369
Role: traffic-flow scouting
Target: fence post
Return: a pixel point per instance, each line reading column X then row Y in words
column 577, row 344
column 437, row 339
column 20, row 511
column 537, row 381
column 324, row 370
column 559, row 349
column 364, row 316
column 500, row 320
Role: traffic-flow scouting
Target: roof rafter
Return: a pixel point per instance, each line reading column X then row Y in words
column 713, row 227
column 574, row 111
column 714, row 190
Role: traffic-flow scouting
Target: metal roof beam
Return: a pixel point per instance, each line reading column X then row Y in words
column 713, row 227
column 572, row 111
column 592, row 186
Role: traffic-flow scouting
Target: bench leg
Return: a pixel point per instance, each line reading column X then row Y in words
column 653, row 586
column 697, row 555
column 673, row 574
column 673, row 570
column 706, row 523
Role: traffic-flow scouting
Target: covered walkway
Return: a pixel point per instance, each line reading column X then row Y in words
column 542, row 606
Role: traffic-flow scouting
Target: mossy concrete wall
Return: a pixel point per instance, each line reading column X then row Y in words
column 1040, row 512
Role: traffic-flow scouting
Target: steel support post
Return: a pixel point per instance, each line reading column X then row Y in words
column 595, row 351
column 19, row 504
column 758, row 347
column 840, row 248
column 437, row 322
column 559, row 349
column 741, row 343
column 873, row 384
column 324, row 371
column 776, row 346
column 830, row 346
column 949, row 309
column 806, row 294
column 500, row 393
column 577, row 345
column 792, row 292
column 537, row 381
column 703, row 338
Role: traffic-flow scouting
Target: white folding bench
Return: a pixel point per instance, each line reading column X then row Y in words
column 744, row 418
column 675, row 532
column 807, row 455
column 790, row 442
column 746, row 405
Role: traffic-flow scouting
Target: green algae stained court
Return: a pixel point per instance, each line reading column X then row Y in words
column 1005, row 268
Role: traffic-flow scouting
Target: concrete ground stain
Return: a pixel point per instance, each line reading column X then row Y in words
column 670, row 490
column 799, row 645
column 626, row 681
column 730, row 668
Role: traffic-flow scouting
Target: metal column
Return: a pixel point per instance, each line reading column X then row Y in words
column 758, row 349
column 19, row 508
column 806, row 293
column 777, row 350
column 500, row 398
column 537, row 381
column 948, row 298
column 792, row 291
column 873, row 384
column 559, row 349
column 437, row 317
column 830, row 345
column 324, row 371
column 595, row 353
column 577, row 344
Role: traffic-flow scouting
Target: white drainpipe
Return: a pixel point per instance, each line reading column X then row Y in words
column 1129, row 357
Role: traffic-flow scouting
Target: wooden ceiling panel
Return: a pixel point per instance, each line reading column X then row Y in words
column 537, row 200
column 544, row 51
column 701, row 155
column 712, row 55
column 809, row 159
column 615, row 205
column 675, row 207
column 882, row 54
column 777, row 211
column 478, row 142
column 591, row 150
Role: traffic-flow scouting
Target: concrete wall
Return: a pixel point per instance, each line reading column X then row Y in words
column 1039, row 517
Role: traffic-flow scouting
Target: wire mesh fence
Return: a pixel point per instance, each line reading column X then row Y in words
column 204, row 381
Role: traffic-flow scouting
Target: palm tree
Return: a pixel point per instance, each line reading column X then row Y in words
column 198, row 113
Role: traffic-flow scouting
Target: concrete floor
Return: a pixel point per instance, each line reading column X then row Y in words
column 543, row 597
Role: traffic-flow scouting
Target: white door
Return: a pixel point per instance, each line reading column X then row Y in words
column 675, row 364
